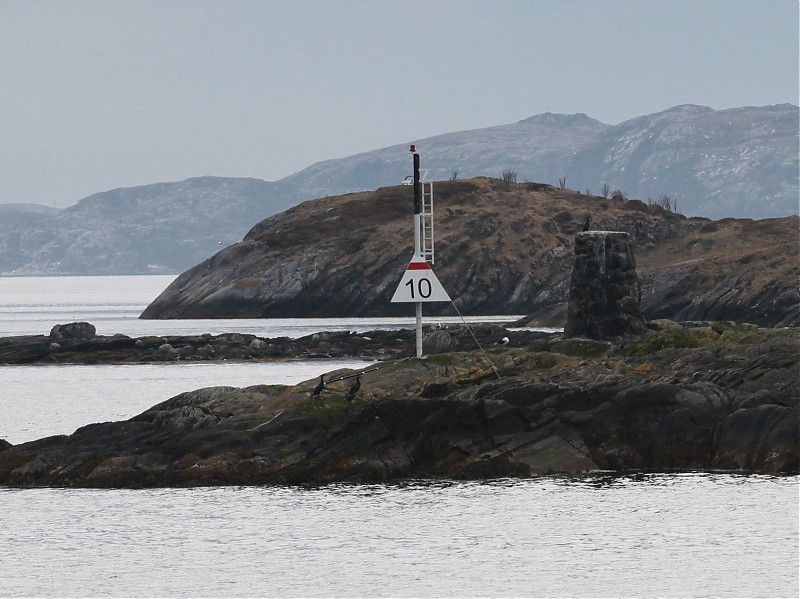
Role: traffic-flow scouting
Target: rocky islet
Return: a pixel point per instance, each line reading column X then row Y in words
column 720, row 397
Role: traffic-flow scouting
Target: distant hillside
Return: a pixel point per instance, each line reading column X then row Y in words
column 501, row 249
column 9, row 209
column 740, row 162
column 149, row 229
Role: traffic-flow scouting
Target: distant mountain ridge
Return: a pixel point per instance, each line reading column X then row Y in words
column 27, row 209
column 740, row 162
column 149, row 229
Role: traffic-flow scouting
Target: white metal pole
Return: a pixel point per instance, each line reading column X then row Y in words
column 419, row 329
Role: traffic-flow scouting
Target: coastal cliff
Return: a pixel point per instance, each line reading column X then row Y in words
column 721, row 396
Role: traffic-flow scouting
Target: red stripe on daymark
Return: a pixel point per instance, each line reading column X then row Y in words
column 419, row 266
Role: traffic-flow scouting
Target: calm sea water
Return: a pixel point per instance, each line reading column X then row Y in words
column 32, row 305
column 647, row 536
column 677, row 535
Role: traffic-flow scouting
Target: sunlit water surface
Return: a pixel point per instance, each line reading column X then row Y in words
column 676, row 535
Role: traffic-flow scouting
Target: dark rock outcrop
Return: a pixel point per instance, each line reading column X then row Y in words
column 604, row 295
column 722, row 397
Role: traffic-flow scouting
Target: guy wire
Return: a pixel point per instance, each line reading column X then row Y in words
column 469, row 328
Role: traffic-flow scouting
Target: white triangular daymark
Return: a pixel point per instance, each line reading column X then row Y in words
column 419, row 284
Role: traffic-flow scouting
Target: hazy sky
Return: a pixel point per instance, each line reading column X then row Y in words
column 102, row 94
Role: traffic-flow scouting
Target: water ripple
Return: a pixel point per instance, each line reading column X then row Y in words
column 657, row 534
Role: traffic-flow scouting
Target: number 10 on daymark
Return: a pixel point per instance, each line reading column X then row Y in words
column 419, row 284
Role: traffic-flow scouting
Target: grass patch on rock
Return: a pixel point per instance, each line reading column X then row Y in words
column 332, row 412
column 673, row 338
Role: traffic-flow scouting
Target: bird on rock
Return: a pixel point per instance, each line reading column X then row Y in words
column 351, row 394
column 587, row 222
column 320, row 386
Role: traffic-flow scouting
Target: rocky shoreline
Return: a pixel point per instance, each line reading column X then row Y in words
column 78, row 343
column 704, row 396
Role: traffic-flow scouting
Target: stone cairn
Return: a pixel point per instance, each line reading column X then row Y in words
column 604, row 295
